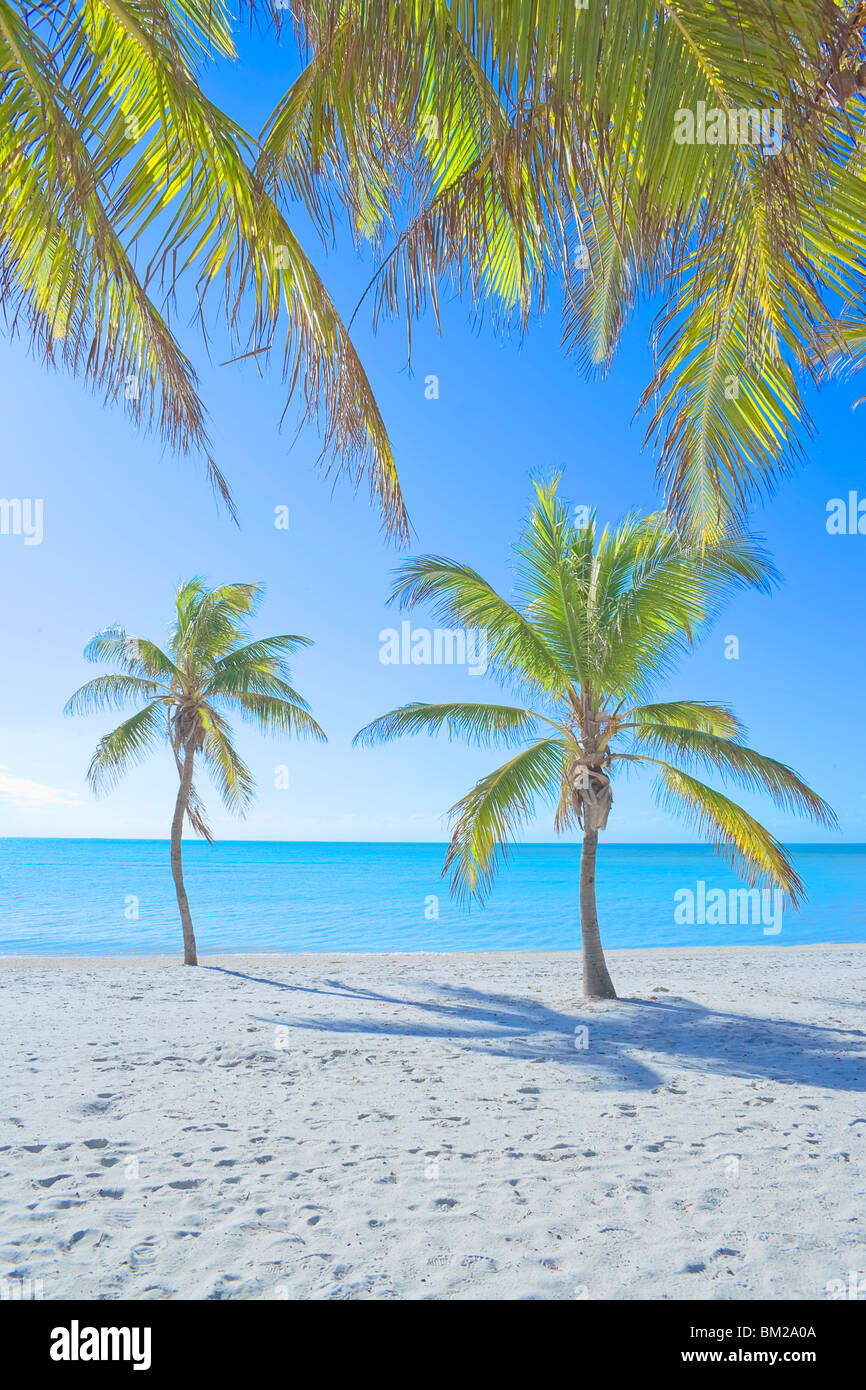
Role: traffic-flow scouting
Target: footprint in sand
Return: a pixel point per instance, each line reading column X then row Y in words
column 144, row 1254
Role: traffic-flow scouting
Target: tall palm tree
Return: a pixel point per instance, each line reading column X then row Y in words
column 211, row 668
column 121, row 182
column 505, row 144
column 599, row 619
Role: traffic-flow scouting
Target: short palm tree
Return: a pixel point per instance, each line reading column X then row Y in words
column 211, row 667
column 599, row 619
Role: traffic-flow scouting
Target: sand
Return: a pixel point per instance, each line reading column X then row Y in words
column 432, row 1126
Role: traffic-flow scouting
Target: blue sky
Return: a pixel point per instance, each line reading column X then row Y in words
column 124, row 522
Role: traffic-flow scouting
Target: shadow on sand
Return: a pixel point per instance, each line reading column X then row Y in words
column 674, row 1030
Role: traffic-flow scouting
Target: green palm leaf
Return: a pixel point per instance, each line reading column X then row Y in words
column 699, row 715
column 481, row 724
column 126, row 746
column 748, row 768
column 528, row 132
column 278, row 716
column 458, row 595
column 111, row 692
column 489, row 816
column 738, row 836
column 235, row 782
column 108, row 145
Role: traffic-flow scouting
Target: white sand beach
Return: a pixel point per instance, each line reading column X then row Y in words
column 424, row 1126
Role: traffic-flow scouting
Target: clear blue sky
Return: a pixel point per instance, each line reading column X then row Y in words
column 125, row 522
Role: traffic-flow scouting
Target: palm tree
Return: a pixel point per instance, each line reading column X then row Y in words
column 502, row 144
column 599, row 618
column 211, row 667
column 121, row 182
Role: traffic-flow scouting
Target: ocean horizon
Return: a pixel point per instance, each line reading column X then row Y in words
column 72, row 897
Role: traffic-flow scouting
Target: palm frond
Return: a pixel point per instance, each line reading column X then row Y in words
column 489, row 816
column 109, row 144
column 845, row 348
column 134, row 655
column 481, row 724
column 618, row 607
column 196, row 815
column 257, row 666
column 111, row 692
column 751, row 770
column 126, row 746
column 66, row 271
column 529, row 132
column 211, row 621
column 700, row 715
column 277, row 716
column 734, row 833
column 233, row 778
column 459, row 596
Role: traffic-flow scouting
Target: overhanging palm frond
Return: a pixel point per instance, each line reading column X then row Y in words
column 65, row 270
column 728, row 412
column 845, row 348
column 108, row 143
column 599, row 283
column 533, row 132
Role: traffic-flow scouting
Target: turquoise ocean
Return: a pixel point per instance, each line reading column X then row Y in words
column 115, row 897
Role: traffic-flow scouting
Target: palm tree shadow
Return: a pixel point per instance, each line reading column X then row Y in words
column 617, row 1046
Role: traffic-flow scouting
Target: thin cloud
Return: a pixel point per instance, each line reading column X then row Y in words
column 21, row 791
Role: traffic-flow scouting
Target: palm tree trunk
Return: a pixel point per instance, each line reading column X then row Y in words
column 597, row 983
column 190, row 956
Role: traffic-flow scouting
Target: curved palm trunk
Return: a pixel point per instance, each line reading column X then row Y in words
column 597, row 983
column 190, row 956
